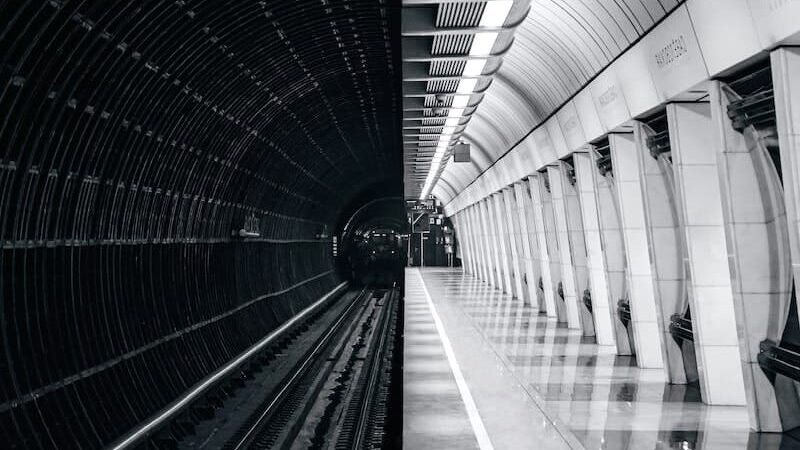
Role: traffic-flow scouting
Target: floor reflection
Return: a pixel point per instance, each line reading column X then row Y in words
column 603, row 399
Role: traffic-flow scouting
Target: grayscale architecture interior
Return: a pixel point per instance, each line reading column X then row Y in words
column 400, row 224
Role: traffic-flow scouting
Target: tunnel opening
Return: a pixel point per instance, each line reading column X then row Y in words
column 371, row 250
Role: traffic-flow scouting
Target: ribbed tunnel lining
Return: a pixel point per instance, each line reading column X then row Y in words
column 138, row 139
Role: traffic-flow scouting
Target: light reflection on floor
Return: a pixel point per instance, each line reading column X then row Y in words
column 602, row 399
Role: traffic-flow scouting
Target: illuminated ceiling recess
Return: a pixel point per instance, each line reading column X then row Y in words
column 451, row 50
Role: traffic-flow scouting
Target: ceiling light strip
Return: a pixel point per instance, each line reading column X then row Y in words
column 494, row 16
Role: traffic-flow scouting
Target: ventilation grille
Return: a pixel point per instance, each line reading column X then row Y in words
column 431, row 122
column 451, row 44
column 447, row 68
column 429, row 130
column 432, row 102
column 459, row 14
column 434, row 112
column 442, row 86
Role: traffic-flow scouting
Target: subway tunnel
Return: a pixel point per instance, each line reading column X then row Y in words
column 419, row 224
column 172, row 172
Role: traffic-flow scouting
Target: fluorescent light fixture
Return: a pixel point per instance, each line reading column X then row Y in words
column 460, row 101
column 466, row 85
column 474, row 67
column 452, row 122
column 455, row 112
column 482, row 44
column 495, row 13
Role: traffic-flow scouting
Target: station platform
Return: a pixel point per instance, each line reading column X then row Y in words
column 484, row 370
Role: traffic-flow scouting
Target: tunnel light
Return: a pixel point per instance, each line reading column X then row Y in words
column 460, row 101
column 474, row 68
column 466, row 85
column 482, row 44
column 452, row 122
column 455, row 112
column 495, row 13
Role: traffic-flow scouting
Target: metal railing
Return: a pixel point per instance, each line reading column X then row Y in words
column 587, row 299
column 624, row 311
column 681, row 327
column 776, row 359
column 757, row 110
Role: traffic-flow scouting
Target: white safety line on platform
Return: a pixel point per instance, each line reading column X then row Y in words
column 469, row 403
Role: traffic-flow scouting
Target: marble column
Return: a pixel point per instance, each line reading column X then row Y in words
column 785, row 65
column 785, row 79
column 477, row 239
column 520, row 193
column 510, row 242
column 488, row 244
column 514, row 240
column 463, row 241
column 667, row 247
column 483, row 236
column 613, row 249
column 496, row 244
column 541, row 240
column 502, row 241
column 602, row 311
column 644, row 313
column 716, row 342
column 577, row 240
column 571, row 298
column 537, row 298
column 473, row 244
column 548, row 214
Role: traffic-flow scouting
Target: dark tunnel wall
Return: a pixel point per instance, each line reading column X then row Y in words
column 135, row 139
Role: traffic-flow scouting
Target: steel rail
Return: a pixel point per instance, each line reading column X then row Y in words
column 145, row 430
column 310, row 358
column 375, row 367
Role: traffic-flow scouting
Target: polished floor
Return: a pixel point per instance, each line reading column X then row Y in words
column 483, row 370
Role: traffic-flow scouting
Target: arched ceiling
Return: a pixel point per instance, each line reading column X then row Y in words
column 451, row 50
column 170, row 172
column 258, row 102
column 558, row 48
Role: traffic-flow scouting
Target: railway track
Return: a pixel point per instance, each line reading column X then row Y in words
column 325, row 385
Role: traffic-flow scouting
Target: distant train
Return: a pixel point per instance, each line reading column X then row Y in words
column 378, row 258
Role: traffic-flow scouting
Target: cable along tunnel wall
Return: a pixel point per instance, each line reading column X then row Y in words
column 169, row 174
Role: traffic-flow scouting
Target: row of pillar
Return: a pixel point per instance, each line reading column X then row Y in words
column 709, row 234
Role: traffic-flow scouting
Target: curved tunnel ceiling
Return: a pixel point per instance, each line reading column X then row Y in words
column 169, row 175
column 558, row 48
